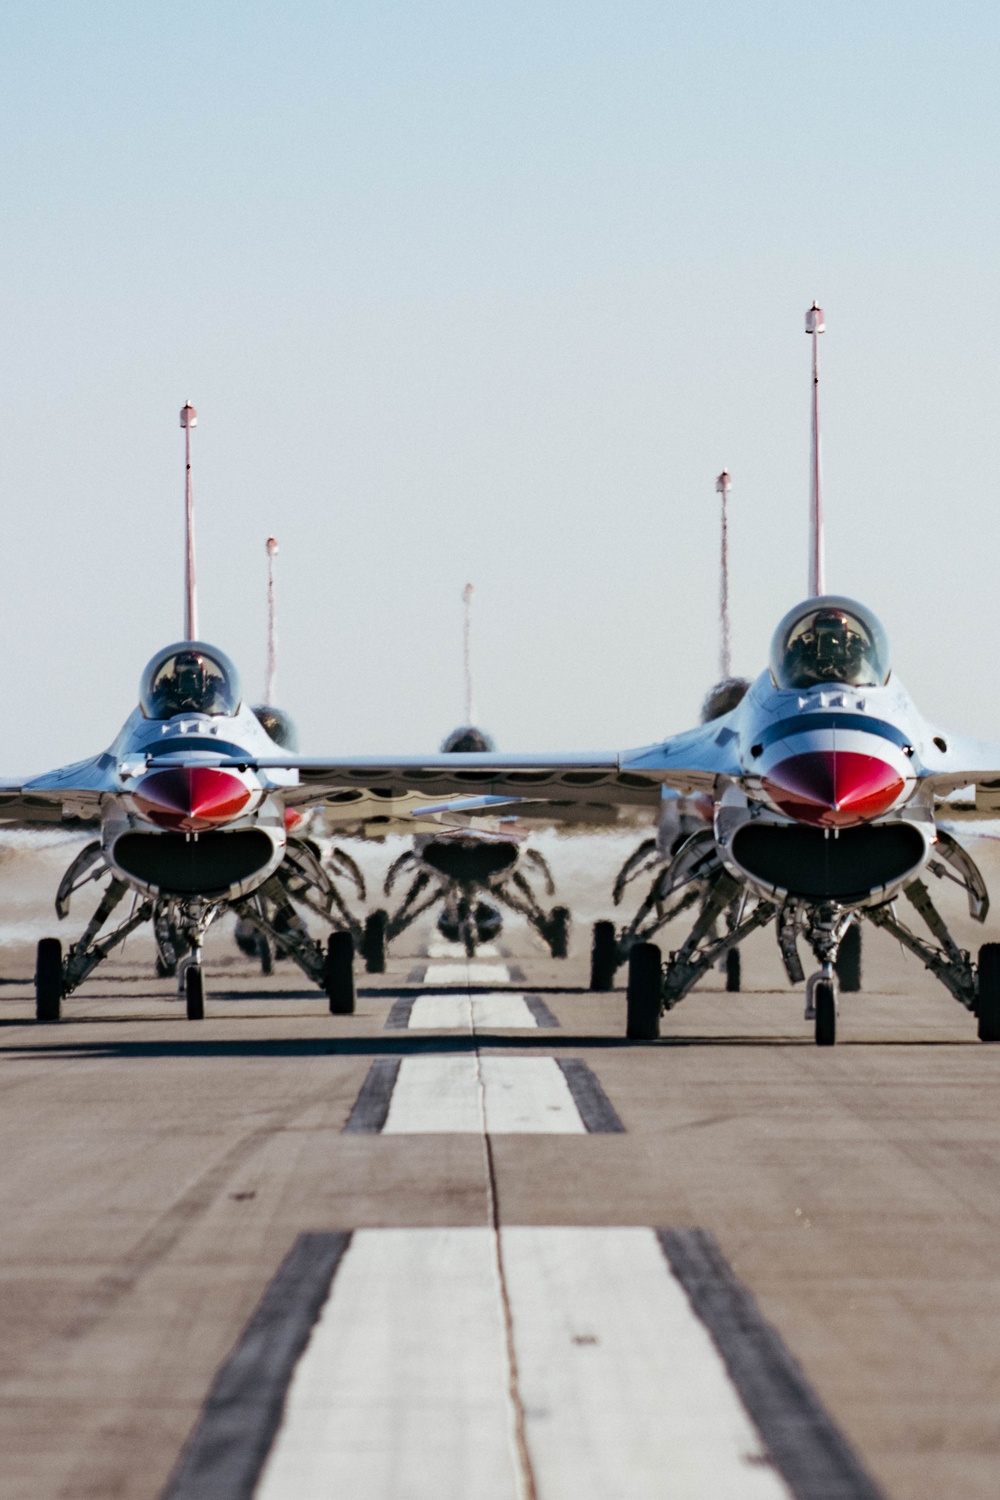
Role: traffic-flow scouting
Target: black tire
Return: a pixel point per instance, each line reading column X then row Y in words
column 338, row 975
column 373, row 941
column 163, row 969
column 194, row 992
column 266, row 954
column 558, row 932
column 734, row 971
column 245, row 935
column 988, row 1004
column 848, row 963
column 489, row 922
column 645, row 993
column 825, row 1002
column 48, row 980
column 603, row 957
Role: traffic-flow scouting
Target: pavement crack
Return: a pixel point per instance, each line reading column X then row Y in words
column 523, row 1467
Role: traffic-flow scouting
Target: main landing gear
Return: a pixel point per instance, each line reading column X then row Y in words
column 831, row 931
column 338, row 973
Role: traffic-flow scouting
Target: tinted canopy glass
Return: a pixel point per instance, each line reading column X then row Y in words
column 829, row 640
column 467, row 741
column 189, row 678
column 278, row 725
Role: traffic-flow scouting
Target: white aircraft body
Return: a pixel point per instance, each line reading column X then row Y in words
column 187, row 825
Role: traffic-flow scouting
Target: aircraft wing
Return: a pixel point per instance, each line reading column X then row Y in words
column 689, row 762
column 70, row 796
column 550, row 787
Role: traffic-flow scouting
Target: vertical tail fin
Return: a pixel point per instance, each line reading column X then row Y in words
column 815, row 325
column 272, row 625
column 467, row 652
column 189, row 419
column 722, row 487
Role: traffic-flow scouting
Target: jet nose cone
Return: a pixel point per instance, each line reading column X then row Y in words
column 189, row 799
column 833, row 788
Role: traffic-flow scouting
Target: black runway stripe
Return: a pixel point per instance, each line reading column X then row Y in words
column 543, row 1016
column 806, row 1447
column 598, row 1114
column 398, row 1018
column 226, row 1452
column 371, row 1108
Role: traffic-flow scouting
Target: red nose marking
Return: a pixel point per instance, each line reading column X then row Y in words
column 833, row 788
column 191, row 798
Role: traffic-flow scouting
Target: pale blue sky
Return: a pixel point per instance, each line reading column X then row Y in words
column 490, row 292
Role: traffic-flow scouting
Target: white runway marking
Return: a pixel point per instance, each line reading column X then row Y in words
column 624, row 1392
column 401, row 1393
column 499, row 1095
column 467, row 973
column 439, row 948
column 470, row 1012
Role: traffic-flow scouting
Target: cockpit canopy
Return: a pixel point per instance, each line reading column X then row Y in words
column 189, row 678
column 278, row 724
column 829, row 640
column 467, row 740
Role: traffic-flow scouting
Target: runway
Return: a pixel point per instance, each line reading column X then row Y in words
column 469, row 1242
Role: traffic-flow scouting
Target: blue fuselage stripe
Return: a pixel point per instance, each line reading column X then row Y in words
column 804, row 723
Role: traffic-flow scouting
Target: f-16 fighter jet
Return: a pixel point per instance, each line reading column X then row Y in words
column 188, row 827
column 470, row 870
column 462, row 868
column 306, row 876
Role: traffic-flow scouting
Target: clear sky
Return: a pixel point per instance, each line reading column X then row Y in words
column 491, row 292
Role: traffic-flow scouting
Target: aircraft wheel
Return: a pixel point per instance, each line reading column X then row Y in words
column 848, row 965
column 163, row 969
column 825, row 1002
column 988, row 1007
column 265, row 954
column 603, row 957
column 338, row 973
column 645, row 993
column 48, row 980
column 194, row 992
column 559, row 931
column 373, row 941
column 734, row 970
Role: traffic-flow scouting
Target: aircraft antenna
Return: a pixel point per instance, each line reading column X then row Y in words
column 189, row 419
column 272, row 625
column 467, row 651
column 815, row 325
column 722, row 487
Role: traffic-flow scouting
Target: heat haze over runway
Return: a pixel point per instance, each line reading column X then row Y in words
column 470, row 1242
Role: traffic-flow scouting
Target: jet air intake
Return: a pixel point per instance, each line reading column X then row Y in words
column 860, row 864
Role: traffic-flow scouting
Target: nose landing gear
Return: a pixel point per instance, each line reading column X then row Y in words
column 822, row 1004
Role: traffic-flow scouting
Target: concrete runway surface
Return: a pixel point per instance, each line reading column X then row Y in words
column 469, row 1243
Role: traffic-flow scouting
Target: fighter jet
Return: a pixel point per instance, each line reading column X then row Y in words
column 825, row 784
column 308, row 878
column 471, row 869
column 188, row 826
